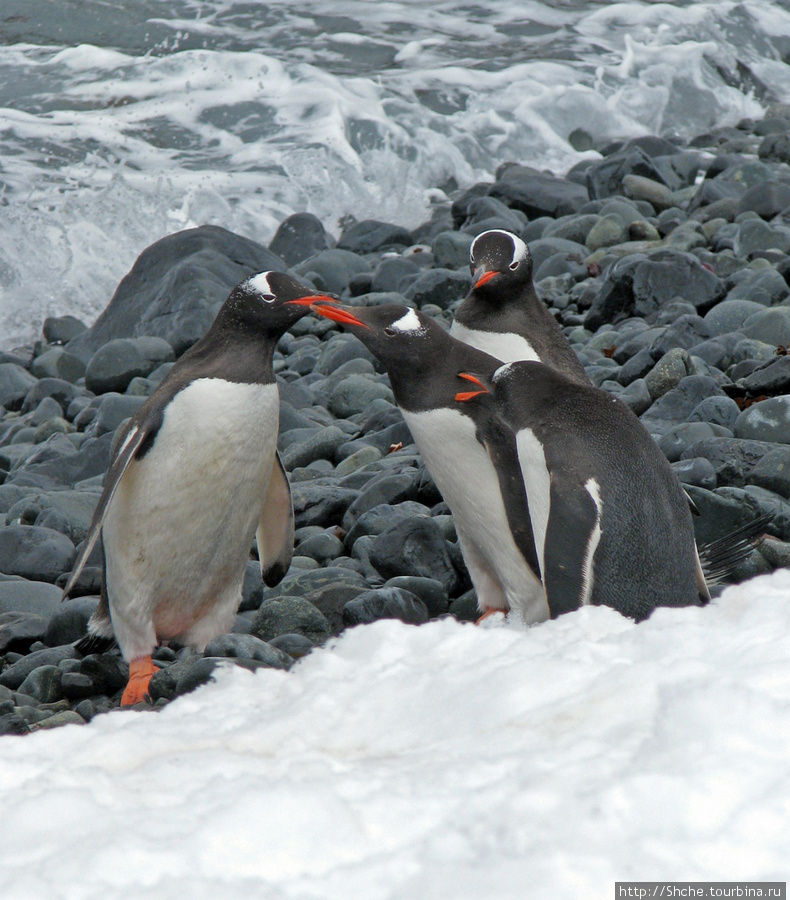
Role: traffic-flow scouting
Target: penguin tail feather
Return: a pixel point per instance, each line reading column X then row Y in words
column 719, row 558
column 94, row 643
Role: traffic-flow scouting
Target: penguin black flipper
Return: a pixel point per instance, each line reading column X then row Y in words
column 500, row 443
column 574, row 522
column 275, row 534
column 142, row 433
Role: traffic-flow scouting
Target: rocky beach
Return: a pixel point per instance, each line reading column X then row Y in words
column 665, row 261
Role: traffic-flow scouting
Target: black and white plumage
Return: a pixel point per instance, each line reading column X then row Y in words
column 423, row 362
column 503, row 316
column 195, row 477
column 610, row 520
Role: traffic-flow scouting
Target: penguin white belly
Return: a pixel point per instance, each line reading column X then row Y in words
column 181, row 524
column 508, row 347
column 465, row 475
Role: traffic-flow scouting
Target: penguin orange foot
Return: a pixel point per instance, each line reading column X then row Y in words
column 492, row 611
column 140, row 672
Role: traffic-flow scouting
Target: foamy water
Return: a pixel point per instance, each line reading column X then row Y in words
column 121, row 124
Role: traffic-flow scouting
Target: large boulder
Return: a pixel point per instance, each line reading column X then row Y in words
column 176, row 287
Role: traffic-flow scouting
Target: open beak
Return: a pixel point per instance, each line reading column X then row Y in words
column 484, row 277
column 467, row 395
column 313, row 298
column 340, row 314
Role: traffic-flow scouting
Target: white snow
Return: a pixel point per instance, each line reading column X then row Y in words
column 445, row 761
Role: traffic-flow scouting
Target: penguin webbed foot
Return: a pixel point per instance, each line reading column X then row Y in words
column 491, row 611
column 141, row 671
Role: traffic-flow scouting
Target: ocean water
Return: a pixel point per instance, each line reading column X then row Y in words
column 123, row 122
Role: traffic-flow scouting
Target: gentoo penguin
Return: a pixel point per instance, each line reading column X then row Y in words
column 423, row 362
column 503, row 315
column 611, row 522
column 195, row 477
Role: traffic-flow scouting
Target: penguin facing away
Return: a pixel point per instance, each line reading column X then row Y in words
column 423, row 361
column 196, row 475
column 503, row 315
column 611, row 522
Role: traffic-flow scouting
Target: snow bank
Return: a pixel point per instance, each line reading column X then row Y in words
column 433, row 762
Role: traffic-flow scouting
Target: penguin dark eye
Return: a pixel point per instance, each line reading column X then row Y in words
column 268, row 298
column 514, row 265
column 389, row 331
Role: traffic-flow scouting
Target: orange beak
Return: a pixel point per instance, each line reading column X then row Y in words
column 484, row 278
column 339, row 314
column 467, row 395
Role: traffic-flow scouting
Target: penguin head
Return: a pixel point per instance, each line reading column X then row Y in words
column 498, row 260
column 395, row 334
column 269, row 303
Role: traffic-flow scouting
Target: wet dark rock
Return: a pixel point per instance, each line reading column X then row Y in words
column 676, row 441
column 380, row 518
column 108, row 673
column 729, row 315
column 76, row 686
column 414, row 546
column 641, row 285
column 354, row 394
column 13, row 676
column 732, row 459
column 299, row 237
column 39, row 554
column 605, row 178
column 767, row 199
column 766, row 421
column 330, row 599
column 290, row 615
column 295, row 645
column 321, row 445
column 113, row 410
column 320, row 503
column 464, row 608
column 370, row 236
column 772, row 471
column 69, row 469
column 331, row 270
column 676, row 405
column 247, row 646
column 56, row 388
column 43, row 684
column 322, row 547
column 389, row 489
column 15, row 382
column 451, row 249
column 429, row 590
column 35, row 597
column 58, row 363
column 385, row 603
column 775, row 147
column 76, row 507
column 716, row 410
column 70, row 621
column 18, row 630
column 62, row 329
column 440, row 287
column 117, row 362
column 13, row 723
column 696, row 471
column 537, row 194
column 176, row 287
